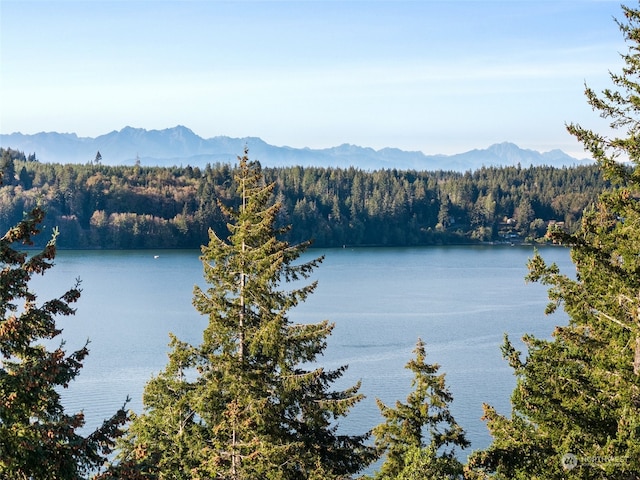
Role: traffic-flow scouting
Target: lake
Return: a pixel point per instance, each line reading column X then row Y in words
column 459, row 299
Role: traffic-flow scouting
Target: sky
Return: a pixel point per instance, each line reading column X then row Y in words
column 434, row 76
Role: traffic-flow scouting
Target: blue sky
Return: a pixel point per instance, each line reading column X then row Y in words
column 435, row 76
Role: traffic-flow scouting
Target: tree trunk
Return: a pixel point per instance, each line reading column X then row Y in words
column 636, row 358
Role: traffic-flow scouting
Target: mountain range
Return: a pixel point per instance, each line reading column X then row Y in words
column 181, row 146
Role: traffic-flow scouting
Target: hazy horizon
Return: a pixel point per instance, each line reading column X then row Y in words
column 432, row 76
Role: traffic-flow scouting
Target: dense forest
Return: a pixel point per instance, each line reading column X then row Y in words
column 252, row 401
column 98, row 206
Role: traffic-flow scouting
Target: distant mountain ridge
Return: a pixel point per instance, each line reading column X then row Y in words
column 181, row 146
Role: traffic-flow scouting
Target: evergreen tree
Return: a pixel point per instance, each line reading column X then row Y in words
column 172, row 207
column 420, row 436
column 38, row 440
column 576, row 406
column 7, row 167
column 241, row 405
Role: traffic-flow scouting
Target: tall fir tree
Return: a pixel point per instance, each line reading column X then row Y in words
column 242, row 404
column 576, row 406
column 7, row 168
column 420, row 436
column 38, row 439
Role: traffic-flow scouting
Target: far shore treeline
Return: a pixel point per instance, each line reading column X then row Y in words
column 129, row 207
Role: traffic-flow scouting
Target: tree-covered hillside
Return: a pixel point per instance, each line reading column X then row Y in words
column 97, row 206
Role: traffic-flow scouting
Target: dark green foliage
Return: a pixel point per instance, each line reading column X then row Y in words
column 419, row 437
column 242, row 404
column 140, row 207
column 8, row 169
column 37, row 438
column 576, row 407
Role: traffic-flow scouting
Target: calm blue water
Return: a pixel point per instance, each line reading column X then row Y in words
column 460, row 300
